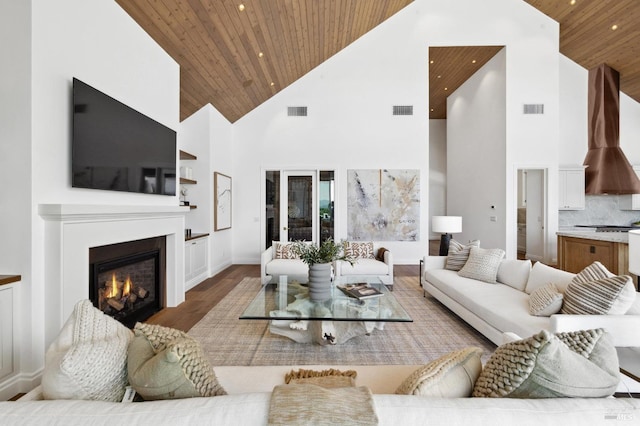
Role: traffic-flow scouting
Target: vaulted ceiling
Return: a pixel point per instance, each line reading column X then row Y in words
column 236, row 54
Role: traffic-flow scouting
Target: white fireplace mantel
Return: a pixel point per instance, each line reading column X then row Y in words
column 72, row 229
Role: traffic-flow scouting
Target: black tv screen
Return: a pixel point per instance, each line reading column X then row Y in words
column 116, row 148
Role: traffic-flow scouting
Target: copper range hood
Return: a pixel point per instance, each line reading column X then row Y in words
column 608, row 171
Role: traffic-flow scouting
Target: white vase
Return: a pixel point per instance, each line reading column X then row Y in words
column 320, row 282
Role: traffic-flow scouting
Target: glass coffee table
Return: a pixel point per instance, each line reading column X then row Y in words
column 286, row 305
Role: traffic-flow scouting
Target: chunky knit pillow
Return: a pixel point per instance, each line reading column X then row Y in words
column 88, row 359
column 545, row 301
column 581, row 364
column 458, row 254
column 450, row 376
column 165, row 363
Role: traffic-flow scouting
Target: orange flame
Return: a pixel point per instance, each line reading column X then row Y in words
column 127, row 287
column 113, row 290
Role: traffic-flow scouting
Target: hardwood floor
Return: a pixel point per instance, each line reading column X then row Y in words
column 204, row 296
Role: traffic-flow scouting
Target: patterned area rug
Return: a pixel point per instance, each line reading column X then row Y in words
column 434, row 332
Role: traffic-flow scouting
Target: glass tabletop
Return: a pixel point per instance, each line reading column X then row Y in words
column 284, row 299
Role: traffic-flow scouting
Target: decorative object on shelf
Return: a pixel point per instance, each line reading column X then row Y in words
column 320, row 258
column 446, row 225
column 184, row 191
column 222, row 201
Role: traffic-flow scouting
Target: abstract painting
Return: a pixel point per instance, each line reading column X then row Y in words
column 383, row 205
column 222, row 201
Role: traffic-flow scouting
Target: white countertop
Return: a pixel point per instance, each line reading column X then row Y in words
column 591, row 234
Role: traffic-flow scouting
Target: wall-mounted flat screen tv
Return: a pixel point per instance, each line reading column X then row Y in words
column 116, row 148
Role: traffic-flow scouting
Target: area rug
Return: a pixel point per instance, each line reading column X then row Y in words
column 434, row 332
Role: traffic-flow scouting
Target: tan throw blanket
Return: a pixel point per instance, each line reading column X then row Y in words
column 316, row 405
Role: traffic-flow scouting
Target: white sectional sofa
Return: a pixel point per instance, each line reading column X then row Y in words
column 493, row 309
column 249, row 396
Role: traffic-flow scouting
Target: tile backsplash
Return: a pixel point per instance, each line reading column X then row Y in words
column 599, row 210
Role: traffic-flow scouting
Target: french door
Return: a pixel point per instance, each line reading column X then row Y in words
column 299, row 205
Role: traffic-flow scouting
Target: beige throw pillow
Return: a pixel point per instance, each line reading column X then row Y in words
column 88, row 359
column 165, row 363
column 545, row 301
column 483, row 264
column 581, row 364
column 458, row 254
column 451, row 376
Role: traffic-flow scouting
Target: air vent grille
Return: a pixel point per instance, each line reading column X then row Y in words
column 534, row 108
column 403, row 110
column 297, row 111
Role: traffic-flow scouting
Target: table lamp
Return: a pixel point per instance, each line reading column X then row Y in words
column 446, row 225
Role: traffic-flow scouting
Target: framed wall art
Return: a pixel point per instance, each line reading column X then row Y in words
column 221, row 201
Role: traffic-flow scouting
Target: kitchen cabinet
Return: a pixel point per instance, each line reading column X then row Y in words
column 575, row 254
column 572, row 188
column 196, row 260
column 630, row 202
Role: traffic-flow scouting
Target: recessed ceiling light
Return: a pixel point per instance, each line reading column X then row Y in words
column 272, row 84
column 260, row 54
column 572, row 2
column 446, row 88
column 431, row 61
column 431, row 109
column 473, row 61
column 439, row 76
column 241, row 7
column 614, row 27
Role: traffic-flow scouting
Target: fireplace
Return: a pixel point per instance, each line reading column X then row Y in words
column 127, row 279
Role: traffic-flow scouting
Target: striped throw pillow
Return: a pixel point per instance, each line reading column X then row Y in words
column 458, row 254
column 612, row 295
column 545, row 301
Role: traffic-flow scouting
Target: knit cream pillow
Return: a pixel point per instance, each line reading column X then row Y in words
column 545, row 301
column 88, row 359
column 581, row 364
column 483, row 264
column 451, row 376
column 165, row 363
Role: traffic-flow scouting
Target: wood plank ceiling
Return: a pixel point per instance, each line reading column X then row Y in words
column 238, row 57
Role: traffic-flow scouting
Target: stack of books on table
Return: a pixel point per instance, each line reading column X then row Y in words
column 360, row 291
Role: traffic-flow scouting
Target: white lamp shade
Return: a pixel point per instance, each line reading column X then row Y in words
column 446, row 224
column 634, row 252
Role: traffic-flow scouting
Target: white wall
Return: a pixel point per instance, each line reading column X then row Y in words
column 437, row 171
column 350, row 97
column 52, row 42
column 208, row 135
column 15, row 166
column 476, row 154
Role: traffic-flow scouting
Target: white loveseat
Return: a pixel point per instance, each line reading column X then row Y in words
column 249, row 395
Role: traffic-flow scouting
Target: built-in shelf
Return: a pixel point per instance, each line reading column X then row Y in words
column 184, row 181
column 184, row 155
column 195, row 236
column 8, row 279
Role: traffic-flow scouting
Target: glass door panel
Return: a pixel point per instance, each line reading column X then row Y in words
column 300, row 206
column 272, row 206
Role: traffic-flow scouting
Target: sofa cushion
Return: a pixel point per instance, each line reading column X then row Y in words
column 365, row 267
column 286, row 267
column 581, row 364
column 482, row 264
column 545, row 301
column 450, row 376
column 164, row 363
column 499, row 305
column 88, row 359
column 458, row 254
column 542, row 274
column 284, row 251
column 359, row 250
column 612, row 295
column 514, row 273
